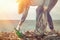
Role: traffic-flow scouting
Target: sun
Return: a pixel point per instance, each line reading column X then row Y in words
column 23, row 4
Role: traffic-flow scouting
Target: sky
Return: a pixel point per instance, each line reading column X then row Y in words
column 9, row 11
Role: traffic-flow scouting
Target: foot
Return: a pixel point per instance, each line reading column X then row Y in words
column 18, row 27
column 19, row 34
column 52, row 33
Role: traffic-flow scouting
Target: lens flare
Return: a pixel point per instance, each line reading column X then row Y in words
column 22, row 4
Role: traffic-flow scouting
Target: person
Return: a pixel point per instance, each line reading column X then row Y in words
column 44, row 7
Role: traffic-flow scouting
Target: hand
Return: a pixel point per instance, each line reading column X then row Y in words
column 45, row 8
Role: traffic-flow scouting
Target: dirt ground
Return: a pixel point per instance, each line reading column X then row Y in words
column 13, row 36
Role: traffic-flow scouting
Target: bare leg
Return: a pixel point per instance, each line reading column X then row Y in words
column 47, row 15
column 39, row 12
column 23, row 18
column 51, row 5
column 50, row 21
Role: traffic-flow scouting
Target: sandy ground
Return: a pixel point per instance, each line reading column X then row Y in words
column 8, row 25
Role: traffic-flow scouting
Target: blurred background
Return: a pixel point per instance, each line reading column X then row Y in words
column 9, row 11
column 9, row 16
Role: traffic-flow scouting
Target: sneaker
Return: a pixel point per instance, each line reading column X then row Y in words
column 19, row 34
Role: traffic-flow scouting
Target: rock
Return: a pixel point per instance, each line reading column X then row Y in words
column 37, row 37
column 52, row 38
column 28, row 36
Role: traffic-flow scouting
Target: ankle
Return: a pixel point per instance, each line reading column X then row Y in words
column 18, row 27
